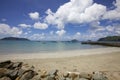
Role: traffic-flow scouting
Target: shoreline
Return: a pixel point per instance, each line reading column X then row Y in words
column 60, row 54
column 103, row 59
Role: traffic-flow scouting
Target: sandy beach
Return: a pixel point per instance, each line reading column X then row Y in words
column 101, row 59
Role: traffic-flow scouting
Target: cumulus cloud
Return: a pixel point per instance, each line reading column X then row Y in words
column 5, row 29
column 37, row 36
column 77, row 35
column 75, row 11
column 34, row 15
column 95, row 26
column 51, row 32
column 39, row 25
column 60, row 32
column 24, row 25
column 113, row 14
column 114, row 29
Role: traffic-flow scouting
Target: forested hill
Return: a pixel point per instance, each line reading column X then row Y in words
column 110, row 38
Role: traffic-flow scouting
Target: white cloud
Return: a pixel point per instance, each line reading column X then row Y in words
column 39, row 25
column 51, row 32
column 75, row 11
column 11, row 31
column 95, row 26
column 77, row 35
column 34, row 15
column 113, row 14
column 37, row 36
column 24, row 25
column 114, row 29
column 60, row 32
column 110, row 28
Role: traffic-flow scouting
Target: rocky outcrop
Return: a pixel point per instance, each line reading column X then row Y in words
column 18, row 71
column 13, row 71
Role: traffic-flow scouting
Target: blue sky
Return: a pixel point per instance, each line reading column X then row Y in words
column 59, row 19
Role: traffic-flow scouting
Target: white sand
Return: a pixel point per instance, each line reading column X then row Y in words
column 61, row 54
column 101, row 59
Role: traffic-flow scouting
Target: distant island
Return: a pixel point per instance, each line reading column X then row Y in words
column 106, row 41
column 15, row 38
column 110, row 38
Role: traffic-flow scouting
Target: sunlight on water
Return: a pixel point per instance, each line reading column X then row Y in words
column 40, row 47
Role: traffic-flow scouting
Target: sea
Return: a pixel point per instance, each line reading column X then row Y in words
column 24, row 47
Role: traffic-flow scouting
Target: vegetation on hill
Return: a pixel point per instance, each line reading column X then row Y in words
column 110, row 38
column 15, row 38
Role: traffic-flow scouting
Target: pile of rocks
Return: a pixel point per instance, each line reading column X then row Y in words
column 16, row 71
column 13, row 71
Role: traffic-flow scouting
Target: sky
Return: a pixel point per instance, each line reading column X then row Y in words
column 59, row 19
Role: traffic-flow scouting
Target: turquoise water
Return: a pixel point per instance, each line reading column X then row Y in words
column 9, row 47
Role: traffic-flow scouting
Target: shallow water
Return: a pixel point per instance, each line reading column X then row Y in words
column 9, row 47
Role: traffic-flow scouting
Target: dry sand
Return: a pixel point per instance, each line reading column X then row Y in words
column 101, row 59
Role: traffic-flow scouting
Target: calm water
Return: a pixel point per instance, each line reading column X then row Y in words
column 9, row 47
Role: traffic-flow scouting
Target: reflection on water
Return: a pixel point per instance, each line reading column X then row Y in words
column 40, row 47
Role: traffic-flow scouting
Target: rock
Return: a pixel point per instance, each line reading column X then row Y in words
column 27, row 75
column 99, row 76
column 44, row 74
column 65, row 75
column 5, row 78
column 3, row 72
column 51, row 77
column 85, row 75
column 53, row 72
column 17, row 65
column 13, row 74
column 21, row 72
column 6, row 64
column 37, row 77
column 73, row 75
column 62, row 78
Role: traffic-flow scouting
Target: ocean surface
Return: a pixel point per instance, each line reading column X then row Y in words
column 12, row 47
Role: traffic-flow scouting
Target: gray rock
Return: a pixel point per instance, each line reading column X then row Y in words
column 21, row 72
column 6, row 64
column 13, row 74
column 27, row 75
column 5, row 78
column 53, row 72
column 51, row 77
column 17, row 64
column 99, row 76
